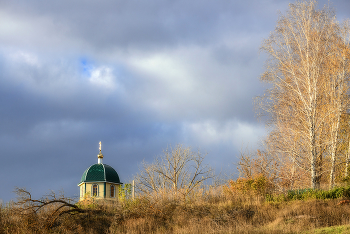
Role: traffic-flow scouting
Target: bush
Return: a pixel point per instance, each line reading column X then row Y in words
column 255, row 186
column 306, row 194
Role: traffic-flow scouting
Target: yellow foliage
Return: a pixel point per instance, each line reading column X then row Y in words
column 257, row 185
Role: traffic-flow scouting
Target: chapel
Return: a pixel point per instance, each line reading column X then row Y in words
column 99, row 181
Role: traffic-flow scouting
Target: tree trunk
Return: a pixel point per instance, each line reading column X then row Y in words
column 314, row 169
column 334, row 136
column 347, row 160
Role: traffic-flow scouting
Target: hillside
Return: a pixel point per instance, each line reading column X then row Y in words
column 208, row 212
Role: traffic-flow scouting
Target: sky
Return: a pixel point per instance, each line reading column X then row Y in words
column 139, row 76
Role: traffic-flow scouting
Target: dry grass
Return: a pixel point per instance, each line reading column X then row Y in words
column 213, row 214
column 227, row 217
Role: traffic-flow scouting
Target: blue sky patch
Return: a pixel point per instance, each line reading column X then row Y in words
column 86, row 66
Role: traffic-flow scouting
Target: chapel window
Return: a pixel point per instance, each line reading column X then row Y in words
column 94, row 190
column 112, row 190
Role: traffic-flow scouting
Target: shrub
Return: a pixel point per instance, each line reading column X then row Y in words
column 305, row 194
column 255, row 186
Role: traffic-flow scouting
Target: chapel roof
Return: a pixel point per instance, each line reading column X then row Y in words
column 100, row 173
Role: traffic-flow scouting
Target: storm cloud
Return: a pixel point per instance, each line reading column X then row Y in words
column 137, row 75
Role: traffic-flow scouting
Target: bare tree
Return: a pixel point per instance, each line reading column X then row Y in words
column 308, row 81
column 179, row 171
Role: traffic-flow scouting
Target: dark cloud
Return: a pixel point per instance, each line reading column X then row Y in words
column 136, row 75
column 143, row 25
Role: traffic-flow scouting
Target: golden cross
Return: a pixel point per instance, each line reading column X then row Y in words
column 100, row 146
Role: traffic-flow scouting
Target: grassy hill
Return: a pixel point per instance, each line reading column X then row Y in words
column 204, row 212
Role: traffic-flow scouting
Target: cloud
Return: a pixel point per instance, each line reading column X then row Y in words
column 186, row 82
column 138, row 75
column 123, row 26
column 103, row 77
column 235, row 133
column 25, row 57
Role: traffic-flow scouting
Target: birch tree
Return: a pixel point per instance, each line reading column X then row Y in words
column 338, row 79
column 303, row 70
column 342, row 151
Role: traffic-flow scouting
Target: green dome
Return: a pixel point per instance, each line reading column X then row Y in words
column 100, row 173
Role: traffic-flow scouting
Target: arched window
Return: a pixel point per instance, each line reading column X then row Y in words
column 112, row 190
column 94, row 190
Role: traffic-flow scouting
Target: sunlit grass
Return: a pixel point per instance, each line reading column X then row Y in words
column 205, row 212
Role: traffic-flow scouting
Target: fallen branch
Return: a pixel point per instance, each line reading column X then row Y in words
column 58, row 206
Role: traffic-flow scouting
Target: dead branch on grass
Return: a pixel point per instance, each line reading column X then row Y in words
column 50, row 206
